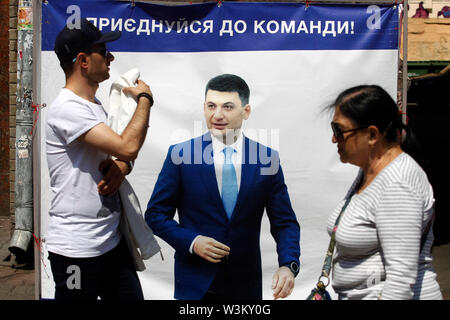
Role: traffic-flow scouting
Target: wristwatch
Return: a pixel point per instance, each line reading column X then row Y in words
column 130, row 165
column 294, row 267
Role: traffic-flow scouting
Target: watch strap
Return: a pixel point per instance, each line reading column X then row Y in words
column 294, row 267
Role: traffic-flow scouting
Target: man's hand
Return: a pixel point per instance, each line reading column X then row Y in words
column 282, row 283
column 134, row 91
column 210, row 249
column 114, row 172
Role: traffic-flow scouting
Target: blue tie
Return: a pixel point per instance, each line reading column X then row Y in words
column 229, row 183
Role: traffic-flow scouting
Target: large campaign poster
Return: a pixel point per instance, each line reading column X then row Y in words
column 295, row 58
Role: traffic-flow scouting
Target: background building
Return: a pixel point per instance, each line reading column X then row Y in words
column 433, row 7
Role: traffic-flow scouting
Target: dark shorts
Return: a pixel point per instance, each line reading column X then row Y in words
column 111, row 276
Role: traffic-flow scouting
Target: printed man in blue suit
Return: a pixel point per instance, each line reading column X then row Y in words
column 220, row 183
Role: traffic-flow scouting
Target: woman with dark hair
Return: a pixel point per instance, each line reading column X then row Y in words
column 384, row 235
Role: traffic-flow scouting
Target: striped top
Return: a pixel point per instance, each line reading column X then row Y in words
column 378, row 237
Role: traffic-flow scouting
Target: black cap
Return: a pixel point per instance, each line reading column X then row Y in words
column 71, row 41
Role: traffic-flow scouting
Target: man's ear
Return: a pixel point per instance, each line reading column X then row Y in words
column 82, row 60
column 247, row 111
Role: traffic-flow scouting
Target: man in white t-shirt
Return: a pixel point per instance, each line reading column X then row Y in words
column 87, row 255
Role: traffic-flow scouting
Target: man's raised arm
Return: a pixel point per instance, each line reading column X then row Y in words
column 127, row 145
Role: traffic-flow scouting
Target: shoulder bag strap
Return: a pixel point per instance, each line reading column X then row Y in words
column 329, row 256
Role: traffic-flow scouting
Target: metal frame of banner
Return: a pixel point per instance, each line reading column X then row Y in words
column 405, row 61
column 394, row 2
column 37, row 14
column 37, row 18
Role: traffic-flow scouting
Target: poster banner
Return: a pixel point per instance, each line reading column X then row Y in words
column 296, row 59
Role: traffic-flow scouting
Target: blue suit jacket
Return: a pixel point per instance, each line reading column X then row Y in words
column 187, row 183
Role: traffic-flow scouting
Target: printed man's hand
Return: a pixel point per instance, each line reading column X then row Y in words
column 282, row 283
column 210, row 249
column 114, row 172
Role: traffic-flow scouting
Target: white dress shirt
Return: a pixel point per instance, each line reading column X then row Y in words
column 219, row 159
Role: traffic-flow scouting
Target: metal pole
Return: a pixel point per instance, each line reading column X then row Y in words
column 37, row 18
column 405, row 61
column 20, row 240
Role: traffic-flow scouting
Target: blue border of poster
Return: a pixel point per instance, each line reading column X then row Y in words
column 231, row 26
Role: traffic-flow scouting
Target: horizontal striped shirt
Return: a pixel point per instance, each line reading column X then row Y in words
column 378, row 237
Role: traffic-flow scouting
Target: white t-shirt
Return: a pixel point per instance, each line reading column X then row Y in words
column 82, row 222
